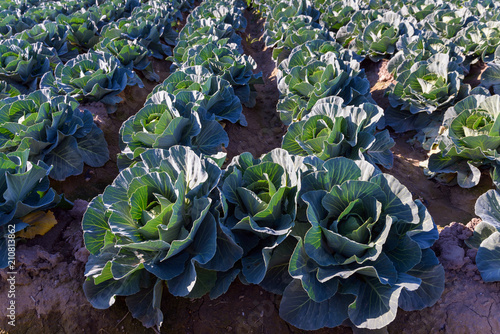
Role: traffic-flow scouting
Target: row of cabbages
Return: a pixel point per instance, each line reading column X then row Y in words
column 210, row 80
column 117, row 38
column 432, row 45
column 42, row 132
column 174, row 191
column 324, row 94
column 339, row 239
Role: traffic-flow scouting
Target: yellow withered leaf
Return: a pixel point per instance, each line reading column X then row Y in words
column 40, row 223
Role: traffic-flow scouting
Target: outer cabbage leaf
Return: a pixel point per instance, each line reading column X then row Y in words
column 365, row 252
column 471, row 140
column 165, row 122
column 54, row 130
column 93, row 76
column 261, row 204
column 157, row 221
column 25, row 188
column 331, row 130
column 488, row 254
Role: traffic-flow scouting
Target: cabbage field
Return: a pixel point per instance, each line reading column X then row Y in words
column 231, row 166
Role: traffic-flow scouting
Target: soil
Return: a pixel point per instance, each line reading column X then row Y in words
column 265, row 130
column 49, row 295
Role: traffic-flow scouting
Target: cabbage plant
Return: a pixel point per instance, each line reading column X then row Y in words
column 163, row 15
column 417, row 48
column 261, row 197
column 146, row 32
column 446, row 23
column 420, row 9
column 219, row 99
column 52, row 35
column 490, row 77
column 486, row 237
column 285, row 34
column 131, row 55
column 24, row 186
column 428, row 86
column 93, row 76
column 225, row 61
column 276, row 10
column 359, row 21
column 202, row 31
column 331, row 130
column 366, row 250
column 379, row 37
column 229, row 12
column 55, row 130
column 22, row 62
column 157, row 223
column 82, row 30
column 479, row 40
column 471, row 140
column 11, row 23
column 322, row 72
column 165, row 121
column 336, row 14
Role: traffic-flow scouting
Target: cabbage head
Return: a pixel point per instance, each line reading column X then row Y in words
column 157, row 226
column 261, row 197
column 165, row 121
column 55, row 131
column 331, row 130
column 95, row 76
column 22, row 62
column 471, row 140
column 365, row 250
